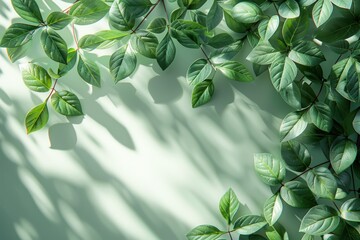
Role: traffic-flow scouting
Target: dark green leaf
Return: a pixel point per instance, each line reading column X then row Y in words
column 165, row 52
column 320, row 115
column 36, row 78
column 36, row 118
column 214, row 16
column 292, row 126
column 322, row 183
column 157, row 25
column 283, row 72
column 198, row 71
column 17, row 35
column 297, row 194
column 321, row 12
column 342, row 154
column 54, row 45
column 28, row 10
column 337, row 28
column 202, row 93
column 89, row 71
column 221, row 40
column 295, row 155
column 66, row 103
column 122, row 63
column 307, row 53
column 268, row 27
column 295, row 29
column 263, row 54
column 71, row 61
column 137, row 8
column 145, row 43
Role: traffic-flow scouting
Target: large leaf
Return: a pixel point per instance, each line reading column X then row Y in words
column 289, row 9
column 101, row 39
column 292, row 126
column 58, row 20
column 235, row 71
column 202, row 93
column 319, row 220
column 268, row 27
column 337, row 28
column 137, row 7
column 71, row 61
column 292, row 95
column 342, row 154
column 119, row 17
column 54, row 45
column 198, row 71
column 250, row 224
column 204, row 232
column 356, row 122
column 271, row 170
column 295, row 155
column 283, row 72
column 28, row 10
column 17, row 35
column 122, row 63
column 36, row 78
column 263, row 54
column 157, row 25
column 17, row 53
column 188, row 33
column 307, row 53
column 352, row 86
column 320, row 114
column 247, row 12
column 66, row 103
column 36, row 118
column 322, row 183
column 89, row 71
column 297, row 194
column 165, row 52
column 321, row 12
column 295, row 29
column 350, row 210
column 88, row 11
column 229, row 205
column 342, row 3
column 214, row 16
column 145, row 43
column 221, row 40
column 272, row 209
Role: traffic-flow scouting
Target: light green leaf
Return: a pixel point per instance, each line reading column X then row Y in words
column 88, row 11
column 204, row 232
column 292, row 95
column 28, row 10
column 342, row 3
column 214, row 16
column 320, row 114
column 307, row 53
column 165, row 52
column 350, row 210
column 308, row 237
column 297, row 194
column 229, row 205
column 283, row 72
column 157, row 25
column 101, row 39
column 292, row 126
column 268, row 27
column 319, row 220
column 235, row 71
column 17, row 53
column 54, row 45
column 321, row 12
column 145, row 43
column 36, row 118
column 119, row 17
column 235, row 25
column 342, row 154
column 263, row 54
column 17, row 35
column 58, row 20
column 36, row 78
column 272, row 209
column 289, row 9
column 322, row 183
column 247, row 12
column 295, row 29
column 271, row 170
column 122, row 63
column 202, row 93
column 250, row 224
column 226, row 53
column 295, row 155
column 89, row 71
column 66, row 103
column 198, row 71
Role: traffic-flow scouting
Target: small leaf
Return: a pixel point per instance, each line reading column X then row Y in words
column 235, row 71
column 263, row 54
column 36, row 78
column 88, row 11
column 321, row 12
column 101, row 39
column 119, row 17
column 66, row 103
column 198, row 71
column 157, row 25
column 229, row 205
column 214, row 16
column 36, row 118
column 122, row 63
column 17, row 35
column 268, row 27
column 337, row 28
column 297, row 194
column 54, row 45
column 307, row 53
column 342, row 154
column 289, row 9
column 272, row 209
column 221, row 40
column 356, row 122
column 204, row 232
column 350, row 210
column 247, row 12
column 295, row 155
column 89, row 71
column 250, row 224
column 58, row 20
column 322, row 183
column 145, row 43
column 165, row 52
column 71, row 61
column 28, row 10
column 17, row 53
column 319, row 220
column 320, row 114
column 202, row 93
column 270, row 170
column 292, row 126
column 283, row 72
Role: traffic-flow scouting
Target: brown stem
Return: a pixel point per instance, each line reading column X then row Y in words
column 75, row 37
column 52, row 90
column 142, row 21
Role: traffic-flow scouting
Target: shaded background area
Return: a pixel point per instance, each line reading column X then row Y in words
column 141, row 164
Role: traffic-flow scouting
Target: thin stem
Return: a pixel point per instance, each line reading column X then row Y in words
column 207, row 58
column 166, row 12
column 310, row 168
column 230, row 236
column 336, row 206
column 318, row 94
column 276, row 8
column 75, row 37
column 353, row 180
column 52, row 90
column 142, row 21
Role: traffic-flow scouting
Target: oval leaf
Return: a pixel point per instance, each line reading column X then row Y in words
column 350, row 210
column 122, row 63
column 66, row 103
column 229, row 205
column 235, row 71
column 342, row 154
column 202, row 93
column 204, row 232
column 198, row 71
column 295, row 155
column 36, row 78
column 89, row 71
column 272, row 209
column 297, row 194
column 250, row 224
column 54, row 45
column 28, row 10
column 322, row 183
column 36, row 118
column 165, row 52
column 270, row 170
column 292, row 126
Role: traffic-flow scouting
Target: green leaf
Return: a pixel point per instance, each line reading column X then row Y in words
column 322, row 183
column 289, row 9
column 295, row 29
column 17, row 53
column 119, row 17
column 36, row 78
column 202, row 93
column 342, row 3
column 292, row 95
column 305, row 3
column 54, row 45
column 272, row 209
column 295, row 155
column 165, row 52
column 307, row 53
column 89, row 71
column 235, row 71
column 88, row 11
column 319, row 220
column 58, row 20
column 263, row 54
column 271, row 170
column 122, row 63
column 198, row 71
column 221, row 40
column 268, row 27
column 145, row 43
column 247, row 12
column 66, row 103
column 321, row 12
column 297, row 194
column 71, row 61
column 157, row 25
column 320, row 114
column 352, row 86
column 339, row 47
column 356, row 122
column 342, row 154
column 256, row 237
column 101, row 39
column 191, row 4
column 204, row 232
column 234, row 25
column 337, row 28
column 214, row 16
column 226, row 53
column 308, row 237
column 350, row 233
column 188, row 33
column 250, row 224
column 350, row 210
column 292, row 126
column 36, row 118
column 17, row 35
column 28, row 10
column 283, row 72
column 137, row 7
column 229, row 205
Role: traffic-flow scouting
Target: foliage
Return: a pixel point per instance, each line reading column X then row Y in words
column 294, row 40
